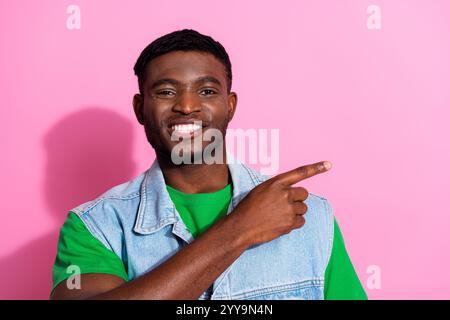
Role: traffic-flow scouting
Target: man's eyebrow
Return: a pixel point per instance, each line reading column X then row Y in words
column 176, row 82
column 208, row 79
column 159, row 82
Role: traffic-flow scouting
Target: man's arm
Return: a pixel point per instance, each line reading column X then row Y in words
column 186, row 275
column 270, row 210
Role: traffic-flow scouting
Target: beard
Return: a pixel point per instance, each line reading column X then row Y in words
column 192, row 149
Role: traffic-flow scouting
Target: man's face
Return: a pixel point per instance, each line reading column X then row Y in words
column 183, row 87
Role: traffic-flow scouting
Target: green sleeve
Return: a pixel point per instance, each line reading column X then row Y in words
column 77, row 246
column 341, row 280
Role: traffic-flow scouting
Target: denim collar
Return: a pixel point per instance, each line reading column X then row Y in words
column 156, row 209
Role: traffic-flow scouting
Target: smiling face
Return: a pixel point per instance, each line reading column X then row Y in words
column 182, row 88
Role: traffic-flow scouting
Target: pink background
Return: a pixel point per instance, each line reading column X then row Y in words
column 374, row 102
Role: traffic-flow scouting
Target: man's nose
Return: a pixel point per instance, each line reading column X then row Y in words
column 187, row 102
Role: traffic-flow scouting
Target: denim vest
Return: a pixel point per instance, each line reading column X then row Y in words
column 138, row 221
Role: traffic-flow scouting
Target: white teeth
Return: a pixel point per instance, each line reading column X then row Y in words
column 186, row 128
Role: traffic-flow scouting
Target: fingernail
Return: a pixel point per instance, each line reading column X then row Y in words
column 327, row 165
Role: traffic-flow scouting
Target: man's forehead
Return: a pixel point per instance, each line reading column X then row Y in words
column 185, row 66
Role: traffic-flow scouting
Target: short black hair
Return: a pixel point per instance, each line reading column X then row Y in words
column 181, row 40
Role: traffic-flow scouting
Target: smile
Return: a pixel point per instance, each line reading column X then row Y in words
column 185, row 128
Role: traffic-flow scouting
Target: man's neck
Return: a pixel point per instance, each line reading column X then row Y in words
column 195, row 178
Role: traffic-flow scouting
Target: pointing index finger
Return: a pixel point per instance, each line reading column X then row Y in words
column 303, row 172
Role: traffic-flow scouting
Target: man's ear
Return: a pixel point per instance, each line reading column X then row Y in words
column 232, row 103
column 138, row 106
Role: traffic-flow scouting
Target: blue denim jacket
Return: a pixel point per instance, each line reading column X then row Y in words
column 138, row 221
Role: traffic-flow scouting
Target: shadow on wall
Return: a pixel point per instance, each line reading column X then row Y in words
column 87, row 152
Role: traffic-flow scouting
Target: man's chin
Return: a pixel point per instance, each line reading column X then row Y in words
column 187, row 153
column 188, row 158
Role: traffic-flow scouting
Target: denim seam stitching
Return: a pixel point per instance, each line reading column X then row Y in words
column 277, row 289
column 127, row 197
column 140, row 217
column 99, row 200
column 331, row 237
column 251, row 174
column 162, row 224
column 93, row 230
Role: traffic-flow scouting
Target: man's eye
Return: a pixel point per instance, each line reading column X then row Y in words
column 165, row 93
column 207, row 92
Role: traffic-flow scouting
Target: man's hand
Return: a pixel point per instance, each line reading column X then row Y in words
column 274, row 207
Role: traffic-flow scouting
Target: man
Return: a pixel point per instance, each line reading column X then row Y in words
column 255, row 237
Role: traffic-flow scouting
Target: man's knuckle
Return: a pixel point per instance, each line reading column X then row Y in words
column 303, row 193
column 302, row 171
column 305, row 208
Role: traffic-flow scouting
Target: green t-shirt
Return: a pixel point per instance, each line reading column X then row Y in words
column 199, row 211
